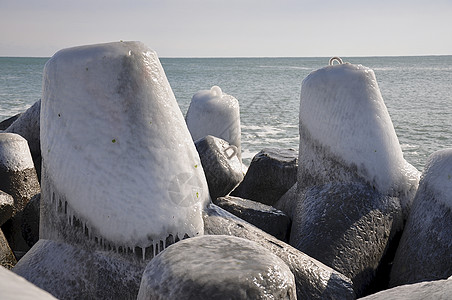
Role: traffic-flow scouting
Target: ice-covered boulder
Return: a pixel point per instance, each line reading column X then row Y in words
column 427, row 290
column 349, row 227
column 265, row 217
column 69, row 272
column 13, row 287
column 313, row 279
column 221, row 165
column 27, row 126
column 217, row 267
column 212, row 112
column 272, row 172
column 346, row 134
column 425, row 250
column 120, row 172
column 17, row 178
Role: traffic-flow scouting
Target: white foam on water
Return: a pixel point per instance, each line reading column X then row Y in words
column 115, row 145
column 342, row 108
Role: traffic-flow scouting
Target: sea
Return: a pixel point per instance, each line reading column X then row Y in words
column 417, row 91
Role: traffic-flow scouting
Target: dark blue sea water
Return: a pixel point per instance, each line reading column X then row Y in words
column 416, row 90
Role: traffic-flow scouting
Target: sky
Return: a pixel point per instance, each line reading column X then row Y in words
column 231, row 28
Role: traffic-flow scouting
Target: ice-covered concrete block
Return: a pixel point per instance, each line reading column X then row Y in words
column 119, row 164
column 27, row 126
column 425, row 250
column 346, row 134
column 212, row 112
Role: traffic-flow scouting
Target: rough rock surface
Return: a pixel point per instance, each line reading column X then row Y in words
column 221, row 165
column 272, row 172
column 217, row 267
column 313, row 279
column 348, row 227
column 72, row 273
column 265, row 217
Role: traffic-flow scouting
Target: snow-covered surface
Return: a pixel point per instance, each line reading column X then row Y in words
column 212, row 112
column 14, row 152
column 13, row 286
column 116, row 147
column 438, row 175
column 342, row 109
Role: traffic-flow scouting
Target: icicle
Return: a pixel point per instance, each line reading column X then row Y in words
column 143, row 250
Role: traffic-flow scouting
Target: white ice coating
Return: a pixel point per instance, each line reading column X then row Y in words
column 438, row 175
column 14, row 152
column 115, row 145
column 342, row 108
column 215, row 113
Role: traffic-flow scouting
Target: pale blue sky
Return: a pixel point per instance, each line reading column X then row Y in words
column 213, row 28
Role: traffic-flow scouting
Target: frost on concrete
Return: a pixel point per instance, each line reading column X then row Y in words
column 212, row 112
column 119, row 164
column 346, row 133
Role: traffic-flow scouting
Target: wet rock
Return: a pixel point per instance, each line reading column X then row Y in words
column 27, row 126
column 69, row 272
column 313, row 279
column 425, row 250
column 348, row 227
column 272, row 173
column 221, row 165
column 265, row 217
column 14, row 287
column 30, row 221
column 217, row 267
column 6, row 207
column 7, row 258
column 439, row 289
